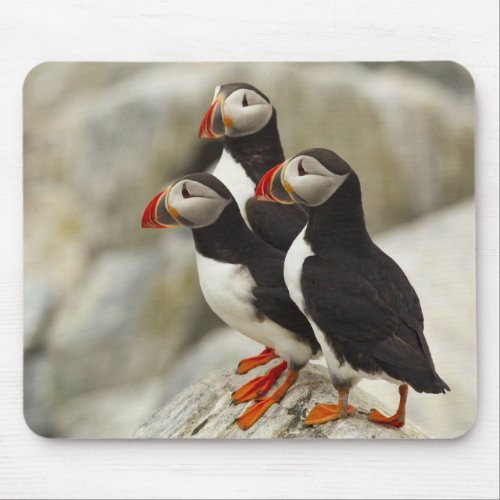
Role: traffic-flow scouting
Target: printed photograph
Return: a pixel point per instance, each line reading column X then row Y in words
column 249, row 250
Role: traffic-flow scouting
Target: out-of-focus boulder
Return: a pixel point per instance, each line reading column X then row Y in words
column 56, row 255
column 111, row 412
column 219, row 348
column 39, row 303
column 39, row 394
column 128, row 319
column 408, row 137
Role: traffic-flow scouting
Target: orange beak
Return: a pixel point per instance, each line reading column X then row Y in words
column 273, row 187
column 212, row 124
column 158, row 214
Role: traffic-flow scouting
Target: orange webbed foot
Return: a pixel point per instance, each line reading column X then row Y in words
column 258, row 386
column 254, row 412
column 247, row 364
column 377, row 418
column 398, row 419
column 322, row 413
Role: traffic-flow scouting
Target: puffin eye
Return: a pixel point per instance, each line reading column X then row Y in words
column 301, row 169
column 185, row 192
column 244, row 103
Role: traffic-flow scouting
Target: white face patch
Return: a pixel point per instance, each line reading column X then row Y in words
column 196, row 202
column 245, row 112
column 310, row 180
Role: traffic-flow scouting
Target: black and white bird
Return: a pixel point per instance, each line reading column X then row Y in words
column 246, row 120
column 364, row 311
column 241, row 278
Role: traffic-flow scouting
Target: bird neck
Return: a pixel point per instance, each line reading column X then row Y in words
column 339, row 223
column 258, row 152
column 228, row 239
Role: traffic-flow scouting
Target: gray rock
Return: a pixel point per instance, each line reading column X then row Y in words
column 39, row 303
column 219, row 348
column 129, row 319
column 108, row 413
column 204, row 410
column 39, row 393
column 56, row 256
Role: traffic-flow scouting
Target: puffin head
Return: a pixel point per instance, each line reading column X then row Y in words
column 196, row 200
column 238, row 109
column 310, row 177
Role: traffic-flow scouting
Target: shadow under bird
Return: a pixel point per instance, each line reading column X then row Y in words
column 244, row 118
column 241, row 278
column 364, row 311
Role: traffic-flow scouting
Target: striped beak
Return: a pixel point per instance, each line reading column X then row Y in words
column 158, row 214
column 273, row 187
column 212, row 125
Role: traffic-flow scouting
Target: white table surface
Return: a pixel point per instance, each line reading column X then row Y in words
column 152, row 30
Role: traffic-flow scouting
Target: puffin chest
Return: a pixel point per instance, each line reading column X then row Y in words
column 297, row 254
column 227, row 288
column 233, row 175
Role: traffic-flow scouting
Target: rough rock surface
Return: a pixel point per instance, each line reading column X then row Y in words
column 204, row 410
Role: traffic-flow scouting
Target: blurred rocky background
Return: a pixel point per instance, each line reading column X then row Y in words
column 115, row 323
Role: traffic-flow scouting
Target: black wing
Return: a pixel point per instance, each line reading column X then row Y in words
column 273, row 300
column 276, row 304
column 278, row 225
column 374, row 324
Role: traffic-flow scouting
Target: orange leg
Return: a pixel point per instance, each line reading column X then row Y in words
column 398, row 419
column 322, row 413
column 258, row 386
column 245, row 365
column 252, row 414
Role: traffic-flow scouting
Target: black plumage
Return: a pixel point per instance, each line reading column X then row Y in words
column 255, row 153
column 277, row 225
column 360, row 298
column 272, row 224
column 229, row 240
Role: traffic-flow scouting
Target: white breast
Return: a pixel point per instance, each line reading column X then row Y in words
column 227, row 288
column 294, row 261
column 297, row 254
column 233, row 175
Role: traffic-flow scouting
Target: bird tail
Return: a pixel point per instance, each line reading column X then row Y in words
column 435, row 386
column 442, row 384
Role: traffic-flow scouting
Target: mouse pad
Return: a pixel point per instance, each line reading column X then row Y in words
column 249, row 250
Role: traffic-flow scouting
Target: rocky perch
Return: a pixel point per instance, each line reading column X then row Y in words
column 204, row 410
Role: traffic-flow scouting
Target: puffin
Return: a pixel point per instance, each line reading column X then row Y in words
column 364, row 312
column 245, row 120
column 241, row 278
